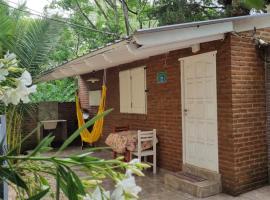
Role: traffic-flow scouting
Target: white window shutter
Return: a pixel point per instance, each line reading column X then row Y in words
column 94, row 97
column 125, row 91
column 138, row 86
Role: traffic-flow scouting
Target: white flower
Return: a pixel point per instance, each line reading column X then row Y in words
column 134, row 161
column 26, row 78
column 9, row 56
column 135, row 165
column 21, row 93
column 3, row 74
column 16, row 89
column 98, row 194
column 126, row 187
column 10, row 96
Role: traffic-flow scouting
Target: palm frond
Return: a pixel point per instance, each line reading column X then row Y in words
column 7, row 27
column 34, row 41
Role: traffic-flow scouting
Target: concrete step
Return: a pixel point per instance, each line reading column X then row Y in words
column 204, row 173
column 193, row 183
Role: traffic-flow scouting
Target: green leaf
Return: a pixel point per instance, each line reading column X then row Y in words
column 35, row 38
column 12, row 176
column 78, row 182
column 69, row 183
column 89, row 151
column 77, row 132
column 42, row 146
column 44, row 181
column 39, row 195
column 12, row 151
column 257, row 4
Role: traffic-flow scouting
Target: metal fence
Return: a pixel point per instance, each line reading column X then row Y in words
column 3, row 147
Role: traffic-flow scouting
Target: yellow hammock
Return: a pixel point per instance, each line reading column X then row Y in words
column 94, row 135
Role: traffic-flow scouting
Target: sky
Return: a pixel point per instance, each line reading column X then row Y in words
column 36, row 5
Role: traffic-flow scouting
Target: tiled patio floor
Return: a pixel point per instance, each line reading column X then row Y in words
column 155, row 189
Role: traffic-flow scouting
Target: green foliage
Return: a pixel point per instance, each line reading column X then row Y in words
column 257, row 4
column 15, row 117
column 34, row 40
column 7, row 27
column 180, row 11
column 14, row 129
column 67, row 47
column 28, row 174
column 58, row 90
column 30, row 39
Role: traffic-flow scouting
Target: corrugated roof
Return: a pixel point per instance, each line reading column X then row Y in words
column 199, row 23
column 148, row 42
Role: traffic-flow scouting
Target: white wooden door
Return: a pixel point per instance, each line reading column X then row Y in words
column 199, row 110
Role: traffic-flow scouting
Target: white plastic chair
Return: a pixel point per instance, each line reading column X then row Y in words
column 145, row 136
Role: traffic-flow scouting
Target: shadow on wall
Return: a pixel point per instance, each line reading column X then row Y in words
column 49, row 111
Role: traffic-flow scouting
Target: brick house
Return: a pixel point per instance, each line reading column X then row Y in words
column 202, row 85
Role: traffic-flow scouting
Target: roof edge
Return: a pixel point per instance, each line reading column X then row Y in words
column 197, row 23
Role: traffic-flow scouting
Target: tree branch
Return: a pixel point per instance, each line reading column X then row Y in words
column 101, row 9
column 77, row 46
column 84, row 15
column 110, row 3
column 131, row 11
column 125, row 12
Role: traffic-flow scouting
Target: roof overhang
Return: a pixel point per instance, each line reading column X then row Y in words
column 150, row 42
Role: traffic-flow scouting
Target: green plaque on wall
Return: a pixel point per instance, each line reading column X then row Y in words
column 161, row 77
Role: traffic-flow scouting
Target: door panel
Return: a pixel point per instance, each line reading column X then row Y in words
column 200, row 111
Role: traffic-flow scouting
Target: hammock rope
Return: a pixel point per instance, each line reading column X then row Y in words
column 95, row 134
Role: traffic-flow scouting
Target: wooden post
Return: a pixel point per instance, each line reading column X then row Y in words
column 3, row 185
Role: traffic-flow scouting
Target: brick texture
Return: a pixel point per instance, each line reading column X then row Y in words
column 241, row 109
column 249, row 114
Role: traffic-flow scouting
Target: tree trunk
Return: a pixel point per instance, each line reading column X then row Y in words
column 116, row 15
column 125, row 12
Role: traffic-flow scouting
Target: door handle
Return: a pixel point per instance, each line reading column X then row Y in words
column 185, row 110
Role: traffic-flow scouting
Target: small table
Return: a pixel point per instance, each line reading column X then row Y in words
column 125, row 142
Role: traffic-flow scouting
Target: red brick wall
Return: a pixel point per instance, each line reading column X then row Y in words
column 249, row 114
column 163, row 102
column 224, row 111
column 241, row 110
